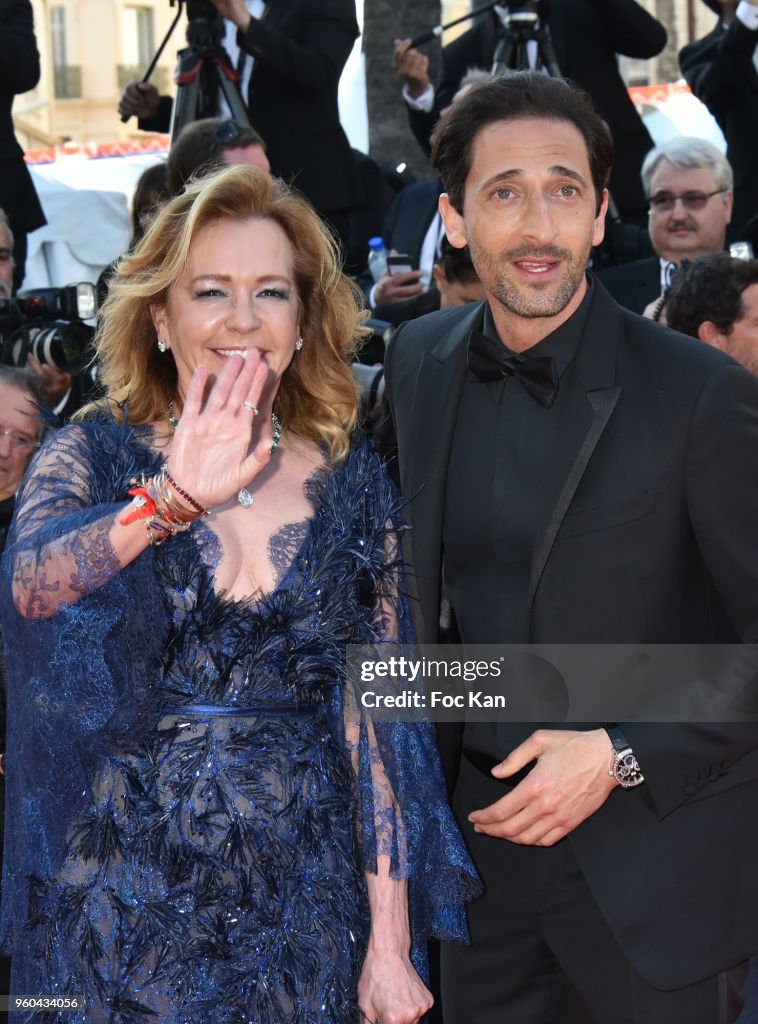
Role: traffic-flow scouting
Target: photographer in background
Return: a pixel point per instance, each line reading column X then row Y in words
column 586, row 35
column 19, row 72
column 62, row 392
column 292, row 54
column 722, row 71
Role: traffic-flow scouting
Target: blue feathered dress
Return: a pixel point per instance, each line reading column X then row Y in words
column 193, row 796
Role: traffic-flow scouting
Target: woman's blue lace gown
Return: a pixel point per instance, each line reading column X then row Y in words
column 193, row 793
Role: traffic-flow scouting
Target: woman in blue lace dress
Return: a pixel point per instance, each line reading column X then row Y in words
column 203, row 825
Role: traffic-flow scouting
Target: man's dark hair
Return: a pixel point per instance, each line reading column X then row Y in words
column 709, row 289
column 200, row 146
column 456, row 263
column 516, row 96
column 151, row 185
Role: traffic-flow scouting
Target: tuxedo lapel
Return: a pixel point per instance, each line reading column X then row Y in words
column 439, row 384
column 592, row 398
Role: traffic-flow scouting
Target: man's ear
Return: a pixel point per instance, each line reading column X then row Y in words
column 455, row 229
column 729, row 206
column 711, row 335
column 598, row 228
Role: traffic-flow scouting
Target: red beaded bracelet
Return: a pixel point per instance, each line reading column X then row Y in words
column 187, row 497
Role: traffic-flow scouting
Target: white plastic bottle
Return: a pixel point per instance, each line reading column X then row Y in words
column 377, row 257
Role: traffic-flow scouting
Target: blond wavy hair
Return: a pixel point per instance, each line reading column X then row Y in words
column 317, row 398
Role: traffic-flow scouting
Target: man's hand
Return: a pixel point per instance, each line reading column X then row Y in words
column 234, row 11
column 55, row 383
column 140, row 99
column 567, row 784
column 397, row 287
column 412, row 66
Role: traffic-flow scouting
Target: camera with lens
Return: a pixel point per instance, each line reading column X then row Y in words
column 49, row 323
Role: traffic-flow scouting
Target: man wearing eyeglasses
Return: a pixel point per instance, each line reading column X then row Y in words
column 689, row 185
column 20, row 393
column 20, row 429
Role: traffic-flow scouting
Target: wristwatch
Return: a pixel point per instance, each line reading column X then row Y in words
column 624, row 768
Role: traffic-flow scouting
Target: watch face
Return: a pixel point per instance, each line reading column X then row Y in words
column 627, row 769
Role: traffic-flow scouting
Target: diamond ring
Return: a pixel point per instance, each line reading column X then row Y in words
column 253, row 408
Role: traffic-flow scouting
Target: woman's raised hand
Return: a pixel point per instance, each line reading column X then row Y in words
column 211, row 456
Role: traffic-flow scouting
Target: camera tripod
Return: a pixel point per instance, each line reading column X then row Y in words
column 519, row 28
column 204, row 71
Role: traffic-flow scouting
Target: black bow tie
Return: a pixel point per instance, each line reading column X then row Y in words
column 488, row 360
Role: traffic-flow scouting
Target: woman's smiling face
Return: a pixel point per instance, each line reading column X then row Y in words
column 236, row 293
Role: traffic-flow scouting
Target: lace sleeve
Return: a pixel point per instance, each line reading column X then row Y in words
column 60, row 546
column 402, row 805
column 84, row 638
column 381, row 831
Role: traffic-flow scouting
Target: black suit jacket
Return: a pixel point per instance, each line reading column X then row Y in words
column 586, row 35
column 300, row 49
column 634, row 285
column 720, row 71
column 19, row 72
column 649, row 538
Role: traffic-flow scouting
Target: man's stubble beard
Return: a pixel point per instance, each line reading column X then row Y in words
column 531, row 304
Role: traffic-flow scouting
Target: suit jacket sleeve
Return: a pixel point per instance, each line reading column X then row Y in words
column 467, row 51
column 19, row 57
column 162, row 120
column 682, row 761
column 316, row 60
column 630, row 29
column 720, row 65
column 422, row 123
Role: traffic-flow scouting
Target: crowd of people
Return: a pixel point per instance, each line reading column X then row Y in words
column 541, row 432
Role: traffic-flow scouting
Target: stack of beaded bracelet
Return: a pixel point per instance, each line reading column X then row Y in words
column 155, row 502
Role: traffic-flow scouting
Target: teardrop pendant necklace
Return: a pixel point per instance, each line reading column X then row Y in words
column 244, row 497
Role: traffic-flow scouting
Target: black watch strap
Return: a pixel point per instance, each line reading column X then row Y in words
column 624, row 768
column 618, row 739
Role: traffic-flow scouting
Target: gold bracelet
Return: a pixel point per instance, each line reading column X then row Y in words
column 176, row 513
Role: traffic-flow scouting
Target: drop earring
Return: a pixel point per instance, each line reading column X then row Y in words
column 162, row 346
column 298, row 344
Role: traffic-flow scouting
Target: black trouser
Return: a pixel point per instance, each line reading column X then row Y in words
column 542, row 952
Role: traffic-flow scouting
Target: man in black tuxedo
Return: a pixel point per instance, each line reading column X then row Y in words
column 19, row 72
column 586, row 35
column 590, row 478
column 688, row 182
column 722, row 71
